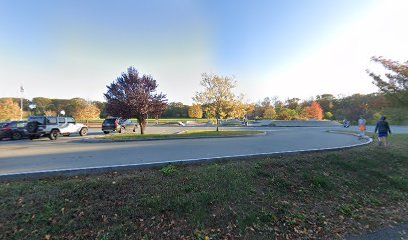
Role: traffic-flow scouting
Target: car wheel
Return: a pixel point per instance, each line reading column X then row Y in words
column 54, row 134
column 134, row 129
column 122, row 130
column 16, row 136
column 106, row 132
column 83, row 132
column 32, row 127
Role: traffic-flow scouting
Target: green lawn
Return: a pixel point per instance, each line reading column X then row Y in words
column 186, row 134
column 161, row 120
column 308, row 196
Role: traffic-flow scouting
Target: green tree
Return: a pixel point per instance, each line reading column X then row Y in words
column 57, row 105
column 42, row 105
column 286, row 114
column 394, row 83
column 326, row 101
column 176, row 110
column 356, row 105
column 217, row 96
column 292, row 103
column 328, row 116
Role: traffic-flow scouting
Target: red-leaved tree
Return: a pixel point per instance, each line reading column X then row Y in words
column 315, row 111
column 134, row 96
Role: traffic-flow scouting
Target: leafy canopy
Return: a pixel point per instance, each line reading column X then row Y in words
column 217, row 96
column 394, row 83
column 133, row 95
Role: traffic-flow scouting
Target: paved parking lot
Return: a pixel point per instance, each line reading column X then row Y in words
column 72, row 153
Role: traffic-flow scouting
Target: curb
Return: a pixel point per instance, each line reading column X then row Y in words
column 141, row 166
column 93, row 140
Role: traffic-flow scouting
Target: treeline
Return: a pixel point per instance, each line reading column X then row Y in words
column 79, row 108
column 370, row 106
column 325, row 106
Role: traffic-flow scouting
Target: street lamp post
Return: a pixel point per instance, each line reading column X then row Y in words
column 21, row 102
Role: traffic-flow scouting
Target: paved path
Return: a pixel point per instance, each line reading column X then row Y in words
column 69, row 152
column 394, row 129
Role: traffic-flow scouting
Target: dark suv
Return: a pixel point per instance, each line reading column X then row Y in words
column 14, row 130
column 118, row 125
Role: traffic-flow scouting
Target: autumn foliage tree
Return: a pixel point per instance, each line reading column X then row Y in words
column 314, row 111
column 269, row 113
column 133, row 95
column 82, row 109
column 217, row 97
column 394, row 83
column 195, row 111
column 239, row 107
column 9, row 110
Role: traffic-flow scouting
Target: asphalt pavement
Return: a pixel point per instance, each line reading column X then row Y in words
column 72, row 153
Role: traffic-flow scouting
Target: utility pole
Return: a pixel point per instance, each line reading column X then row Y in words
column 21, row 102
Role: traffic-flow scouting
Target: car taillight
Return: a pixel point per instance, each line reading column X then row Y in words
column 116, row 123
column 5, row 129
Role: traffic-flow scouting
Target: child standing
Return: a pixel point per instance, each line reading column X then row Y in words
column 362, row 126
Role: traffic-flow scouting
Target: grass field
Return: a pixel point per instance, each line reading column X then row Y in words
column 185, row 134
column 320, row 195
column 161, row 120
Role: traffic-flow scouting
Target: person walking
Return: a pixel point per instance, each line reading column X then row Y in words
column 383, row 129
column 362, row 126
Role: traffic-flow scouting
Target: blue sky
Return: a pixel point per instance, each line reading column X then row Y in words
column 66, row 49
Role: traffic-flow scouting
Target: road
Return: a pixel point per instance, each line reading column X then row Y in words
column 73, row 153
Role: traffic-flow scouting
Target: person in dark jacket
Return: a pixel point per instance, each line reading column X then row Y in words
column 383, row 129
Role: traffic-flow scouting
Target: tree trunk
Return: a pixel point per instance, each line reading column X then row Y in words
column 142, row 124
column 217, row 124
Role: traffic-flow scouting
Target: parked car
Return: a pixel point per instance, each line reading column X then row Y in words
column 116, row 124
column 53, row 127
column 14, row 130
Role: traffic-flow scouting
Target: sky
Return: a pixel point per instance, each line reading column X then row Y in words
column 283, row 48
